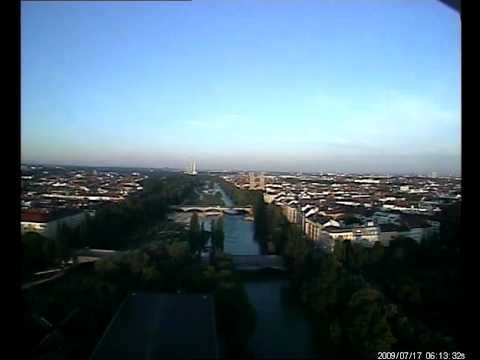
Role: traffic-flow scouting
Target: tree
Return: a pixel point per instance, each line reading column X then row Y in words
column 348, row 254
column 408, row 292
column 359, row 257
column 36, row 253
column 107, row 269
column 339, row 251
column 376, row 253
column 178, row 251
column 297, row 250
column 365, row 323
column 320, row 293
column 260, row 223
column 218, row 235
column 194, row 233
column 203, row 236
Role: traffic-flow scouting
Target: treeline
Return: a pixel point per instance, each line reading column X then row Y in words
column 404, row 297
column 271, row 227
column 123, row 225
column 198, row 236
column 240, row 197
column 119, row 226
column 95, row 294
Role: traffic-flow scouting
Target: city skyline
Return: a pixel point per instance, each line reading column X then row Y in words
column 265, row 171
column 335, row 87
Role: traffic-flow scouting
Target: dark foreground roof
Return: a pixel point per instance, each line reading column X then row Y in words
column 161, row 326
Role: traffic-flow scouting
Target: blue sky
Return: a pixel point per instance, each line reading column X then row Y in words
column 355, row 86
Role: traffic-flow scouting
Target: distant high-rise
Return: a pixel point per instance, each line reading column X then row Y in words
column 192, row 168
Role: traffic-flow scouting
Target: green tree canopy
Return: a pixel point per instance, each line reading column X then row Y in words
column 218, row 236
column 194, row 233
column 365, row 322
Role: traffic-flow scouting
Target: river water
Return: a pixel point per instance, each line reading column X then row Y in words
column 282, row 329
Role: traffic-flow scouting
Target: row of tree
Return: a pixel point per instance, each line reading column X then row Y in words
column 198, row 236
column 124, row 225
column 118, row 227
column 240, row 197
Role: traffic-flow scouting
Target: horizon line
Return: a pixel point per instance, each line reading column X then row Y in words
column 453, row 174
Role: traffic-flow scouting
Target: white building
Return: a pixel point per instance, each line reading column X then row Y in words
column 364, row 235
column 48, row 224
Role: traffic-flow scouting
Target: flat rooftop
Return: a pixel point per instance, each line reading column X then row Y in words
column 161, row 326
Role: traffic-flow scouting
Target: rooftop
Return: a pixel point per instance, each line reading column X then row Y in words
column 161, row 326
column 43, row 215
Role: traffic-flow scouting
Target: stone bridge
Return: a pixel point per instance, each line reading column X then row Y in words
column 257, row 262
column 214, row 209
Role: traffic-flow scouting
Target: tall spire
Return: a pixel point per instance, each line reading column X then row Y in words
column 192, row 168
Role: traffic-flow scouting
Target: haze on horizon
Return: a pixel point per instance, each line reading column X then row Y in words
column 351, row 86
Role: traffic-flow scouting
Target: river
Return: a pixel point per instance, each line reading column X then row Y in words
column 282, row 329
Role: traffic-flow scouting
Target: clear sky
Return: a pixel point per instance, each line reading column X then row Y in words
column 355, row 86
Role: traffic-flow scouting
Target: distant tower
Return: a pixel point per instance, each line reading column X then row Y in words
column 194, row 168
column 191, row 168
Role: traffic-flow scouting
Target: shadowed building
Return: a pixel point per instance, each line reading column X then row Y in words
column 161, row 326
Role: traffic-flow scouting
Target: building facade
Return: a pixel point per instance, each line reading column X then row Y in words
column 256, row 182
column 47, row 225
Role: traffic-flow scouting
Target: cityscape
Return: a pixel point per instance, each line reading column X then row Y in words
column 237, row 180
column 376, row 208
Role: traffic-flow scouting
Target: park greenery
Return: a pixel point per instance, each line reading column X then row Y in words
column 68, row 316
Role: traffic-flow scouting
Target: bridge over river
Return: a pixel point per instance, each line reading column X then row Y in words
column 214, row 209
column 257, row 262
